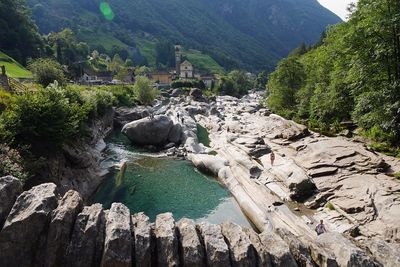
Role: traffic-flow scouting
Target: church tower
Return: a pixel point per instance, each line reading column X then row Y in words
column 178, row 58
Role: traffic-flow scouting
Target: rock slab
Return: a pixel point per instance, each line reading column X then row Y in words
column 60, row 229
column 278, row 249
column 118, row 237
column 166, row 240
column 217, row 251
column 143, row 239
column 22, row 236
column 10, row 188
column 86, row 246
column 242, row 252
column 192, row 251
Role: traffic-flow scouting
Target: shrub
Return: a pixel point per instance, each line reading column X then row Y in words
column 11, row 163
column 144, row 91
column 124, row 94
column 397, row 175
column 43, row 120
column 330, row 206
column 188, row 84
column 5, row 100
column 46, row 71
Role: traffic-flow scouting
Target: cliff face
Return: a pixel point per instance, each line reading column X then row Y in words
column 43, row 229
column 77, row 166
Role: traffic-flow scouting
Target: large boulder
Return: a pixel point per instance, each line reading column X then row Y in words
column 118, row 238
column 217, row 251
column 388, row 254
column 242, row 252
column 124, row 115
column 149, row 131
column 346, row 253
column 167, row 240
column 86, row 246
column 192, row 145
column 22, row 237
column 61, row 225
column 263, row 257
column 208, row 164
column 10, row 188
column 192, row 251
column 195, row 110
column 196, row 94
column 175, row 135
column 299, row 250
column 143, row 238
column 177, row 92
column 278, row 249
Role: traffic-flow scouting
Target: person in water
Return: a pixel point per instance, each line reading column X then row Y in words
column 272, row 156
column 320, row 228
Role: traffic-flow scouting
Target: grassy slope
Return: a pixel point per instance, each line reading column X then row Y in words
column 106, row 40
column 13, row 68
column 202, row 61
column 147, row 48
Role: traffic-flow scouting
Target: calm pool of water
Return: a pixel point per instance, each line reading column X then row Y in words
column 154, row 185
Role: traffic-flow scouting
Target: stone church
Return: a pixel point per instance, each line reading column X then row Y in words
column 186, row 70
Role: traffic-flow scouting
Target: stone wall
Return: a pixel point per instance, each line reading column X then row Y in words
column 44, row 229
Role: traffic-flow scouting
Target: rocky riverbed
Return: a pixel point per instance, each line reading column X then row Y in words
column 313, row 177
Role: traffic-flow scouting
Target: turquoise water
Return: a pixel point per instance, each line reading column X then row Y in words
column 155, row 184
column 202, row 135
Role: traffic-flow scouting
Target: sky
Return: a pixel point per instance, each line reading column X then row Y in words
column 339, row 7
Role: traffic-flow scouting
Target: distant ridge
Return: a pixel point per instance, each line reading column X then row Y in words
column 251, row 34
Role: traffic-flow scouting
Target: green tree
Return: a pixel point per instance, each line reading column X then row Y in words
column 18, row 34
column 46, row 71
column 373, row 37
column 283, row 85
column 352, row 73
column 165, row 54
column 144, row 90
column 116, row 64
column 226, row 86
column 66, row 48
column 142, row 71
column 241, row 82
column 261, row 80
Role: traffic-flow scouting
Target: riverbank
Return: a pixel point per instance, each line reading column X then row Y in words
column 314, row 177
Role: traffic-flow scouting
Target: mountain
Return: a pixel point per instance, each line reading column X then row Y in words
column 251, row 34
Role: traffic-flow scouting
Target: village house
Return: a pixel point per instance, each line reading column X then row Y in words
column 91, row 77
column 208, row 80
column 161, row 77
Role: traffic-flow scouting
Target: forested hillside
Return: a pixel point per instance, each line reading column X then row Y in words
column 353, row 74
column 19, row 37
column 249, row 34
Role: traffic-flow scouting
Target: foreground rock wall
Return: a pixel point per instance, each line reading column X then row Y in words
column 44, row 229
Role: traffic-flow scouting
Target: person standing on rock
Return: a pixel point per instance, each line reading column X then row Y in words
column 320, row 228
column 272, row 156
